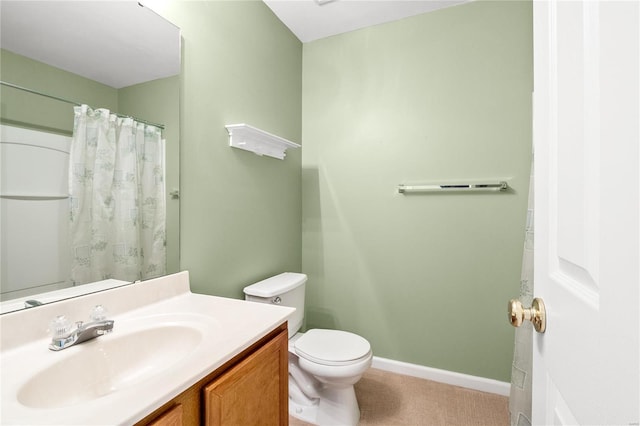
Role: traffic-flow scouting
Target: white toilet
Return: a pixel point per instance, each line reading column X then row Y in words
column 323, row 364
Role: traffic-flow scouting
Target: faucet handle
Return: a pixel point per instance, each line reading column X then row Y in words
column 60, row 326
column 98, row 313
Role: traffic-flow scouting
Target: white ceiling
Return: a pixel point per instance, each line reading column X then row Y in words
column 118, row 43
column 315, row 19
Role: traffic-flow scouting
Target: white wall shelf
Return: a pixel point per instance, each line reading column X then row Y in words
column 258, row 141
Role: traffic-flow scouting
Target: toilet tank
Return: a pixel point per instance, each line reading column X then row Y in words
column 286, row 289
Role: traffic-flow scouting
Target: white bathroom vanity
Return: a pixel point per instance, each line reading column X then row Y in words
column 173, row 358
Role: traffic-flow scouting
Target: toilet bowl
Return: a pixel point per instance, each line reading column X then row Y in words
column 323, row 364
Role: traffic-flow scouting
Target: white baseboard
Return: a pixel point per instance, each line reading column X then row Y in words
column 443, row 376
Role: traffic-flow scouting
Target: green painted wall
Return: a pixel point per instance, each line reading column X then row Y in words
column 437, row 97
column 240, row 213
column 157, row 101
column 28, row 110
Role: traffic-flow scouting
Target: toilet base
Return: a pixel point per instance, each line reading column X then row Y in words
column 335, row 407
column 306, row 413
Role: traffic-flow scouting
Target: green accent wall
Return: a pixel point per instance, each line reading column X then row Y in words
column 439, row 97
column 240, row 213
column 24, row 109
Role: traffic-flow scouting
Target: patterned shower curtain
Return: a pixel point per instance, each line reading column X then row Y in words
column 117, row 201
column 520, row 397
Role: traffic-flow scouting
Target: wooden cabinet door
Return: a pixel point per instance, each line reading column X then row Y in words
column 172, row 417
column 254, row 392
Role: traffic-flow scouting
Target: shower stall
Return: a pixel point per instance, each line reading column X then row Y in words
column 34, row 211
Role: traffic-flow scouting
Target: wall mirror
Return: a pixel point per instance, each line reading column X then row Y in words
column 120, row 56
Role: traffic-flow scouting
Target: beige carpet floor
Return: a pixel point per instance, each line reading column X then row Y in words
column 388, row 399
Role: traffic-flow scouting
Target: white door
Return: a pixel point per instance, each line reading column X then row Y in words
column 586, row 136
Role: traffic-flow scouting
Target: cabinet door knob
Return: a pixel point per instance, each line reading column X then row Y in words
column 536, row 314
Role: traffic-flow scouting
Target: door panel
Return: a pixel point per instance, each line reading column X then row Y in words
column 586, row 138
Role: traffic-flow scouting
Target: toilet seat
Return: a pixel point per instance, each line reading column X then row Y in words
column 332, row 347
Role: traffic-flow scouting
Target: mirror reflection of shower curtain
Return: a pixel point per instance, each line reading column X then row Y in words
column 520, row 396
column 117, row 198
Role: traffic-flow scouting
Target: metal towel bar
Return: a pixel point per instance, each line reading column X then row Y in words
column 454, row 187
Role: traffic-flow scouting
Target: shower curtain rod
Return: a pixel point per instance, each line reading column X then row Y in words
column 35, row 92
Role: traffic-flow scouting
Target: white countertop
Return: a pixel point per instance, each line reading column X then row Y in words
column 228, row 326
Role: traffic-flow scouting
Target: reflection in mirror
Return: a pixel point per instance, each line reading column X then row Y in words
column 115, row 56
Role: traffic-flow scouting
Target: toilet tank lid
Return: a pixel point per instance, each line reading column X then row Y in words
column 278, row 284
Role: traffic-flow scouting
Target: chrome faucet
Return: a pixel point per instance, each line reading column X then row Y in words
column 65, row 337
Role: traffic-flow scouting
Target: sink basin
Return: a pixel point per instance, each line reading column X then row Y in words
column 165, row 340
column 109, row 363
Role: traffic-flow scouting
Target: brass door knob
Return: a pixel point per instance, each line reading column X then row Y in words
column 536, row 314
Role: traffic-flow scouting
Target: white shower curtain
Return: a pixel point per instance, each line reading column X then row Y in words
column 520, row 396
column 117, row 198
